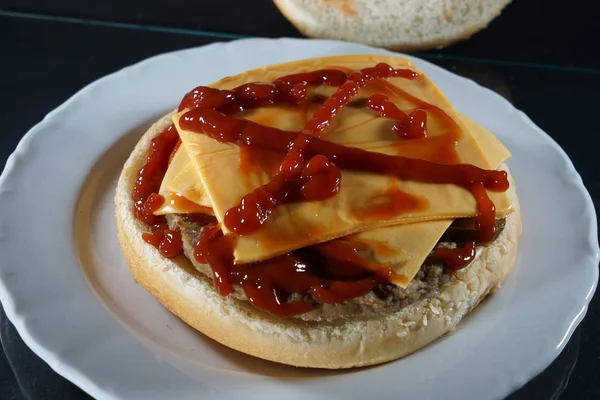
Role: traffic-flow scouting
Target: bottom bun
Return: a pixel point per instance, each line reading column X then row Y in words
column 343, row 343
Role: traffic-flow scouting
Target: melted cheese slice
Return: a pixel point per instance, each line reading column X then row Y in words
column 403, row 247
column 207, row 172
column 182, row 181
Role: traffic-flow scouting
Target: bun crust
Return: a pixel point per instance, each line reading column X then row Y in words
column 408, row 25
column 343, row 343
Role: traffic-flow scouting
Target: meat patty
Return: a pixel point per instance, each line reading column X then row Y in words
column 382, row 299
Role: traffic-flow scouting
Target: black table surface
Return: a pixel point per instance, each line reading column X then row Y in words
column 541, row 55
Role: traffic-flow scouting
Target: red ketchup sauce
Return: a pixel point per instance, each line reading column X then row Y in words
column 408, row 126
column 147, row 201
column 331, row 272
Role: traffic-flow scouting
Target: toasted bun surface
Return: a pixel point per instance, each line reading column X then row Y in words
column 407, row 25
column 343, row 343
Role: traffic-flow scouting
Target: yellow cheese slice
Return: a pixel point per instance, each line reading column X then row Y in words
column 182, row 188
column 404, row 247
column 492, row 147
column 178, row 163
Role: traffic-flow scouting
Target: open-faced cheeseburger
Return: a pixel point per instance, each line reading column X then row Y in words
column 332, row 212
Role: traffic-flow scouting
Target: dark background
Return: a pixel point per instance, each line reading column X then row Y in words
column 541, row 55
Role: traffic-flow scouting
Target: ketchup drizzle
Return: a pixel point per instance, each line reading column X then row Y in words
column 323, row 115
column 150, row 176
column 287, row 89
column 485, row 225
column 147, row 201
column 331, row 272
column 408, row 126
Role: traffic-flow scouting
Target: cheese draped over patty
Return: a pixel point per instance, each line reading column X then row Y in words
column 211, row 176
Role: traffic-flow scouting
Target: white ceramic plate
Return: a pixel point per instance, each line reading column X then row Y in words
column 66, row 287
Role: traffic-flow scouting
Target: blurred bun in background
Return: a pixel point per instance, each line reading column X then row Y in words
column 403, row 25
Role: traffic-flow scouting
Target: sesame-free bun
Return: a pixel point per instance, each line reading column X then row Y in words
column 403, row 25
column 343, row 343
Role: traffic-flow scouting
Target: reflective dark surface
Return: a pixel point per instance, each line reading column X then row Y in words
column 43, row 62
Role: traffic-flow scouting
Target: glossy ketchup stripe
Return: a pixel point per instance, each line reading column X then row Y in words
column 145, row 197
column 408, row 126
